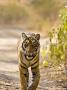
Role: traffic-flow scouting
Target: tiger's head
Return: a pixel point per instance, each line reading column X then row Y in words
column 30, row 45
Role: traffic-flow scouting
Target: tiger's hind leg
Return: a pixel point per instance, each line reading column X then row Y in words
column 24, row 77
column 36, row 78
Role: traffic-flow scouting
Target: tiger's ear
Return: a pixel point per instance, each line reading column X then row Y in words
column 37, row 36
column 24, row 36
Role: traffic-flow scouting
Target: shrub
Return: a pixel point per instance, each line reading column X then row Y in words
column 58, row 43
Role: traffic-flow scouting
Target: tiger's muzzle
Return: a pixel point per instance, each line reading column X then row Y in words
column 30, row 56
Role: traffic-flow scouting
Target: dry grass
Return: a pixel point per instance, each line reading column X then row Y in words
column 21, row 14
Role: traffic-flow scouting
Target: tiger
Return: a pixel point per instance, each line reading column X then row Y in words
column 28, row 54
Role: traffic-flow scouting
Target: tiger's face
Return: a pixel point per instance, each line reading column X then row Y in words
column 30, row 45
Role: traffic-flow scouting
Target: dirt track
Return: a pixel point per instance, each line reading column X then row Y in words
column 9, row 73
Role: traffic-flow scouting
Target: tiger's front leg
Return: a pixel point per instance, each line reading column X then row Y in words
column 24, row 74
column 36, row 78
column 24, row 77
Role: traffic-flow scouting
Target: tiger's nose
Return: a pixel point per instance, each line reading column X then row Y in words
column 29, row 49
column 31, row 54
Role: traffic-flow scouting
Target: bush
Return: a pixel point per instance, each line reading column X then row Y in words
column 58, row 43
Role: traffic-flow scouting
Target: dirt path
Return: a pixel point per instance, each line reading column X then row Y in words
column 9, row 73
column 50, row 80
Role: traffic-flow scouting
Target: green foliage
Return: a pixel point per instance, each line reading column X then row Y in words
column 12, row 13
column 58, row 43
column 45, row 63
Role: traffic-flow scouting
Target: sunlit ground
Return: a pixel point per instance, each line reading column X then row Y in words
column 8, row 50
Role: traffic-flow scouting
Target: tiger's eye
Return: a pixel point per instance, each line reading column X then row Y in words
column 26, row 45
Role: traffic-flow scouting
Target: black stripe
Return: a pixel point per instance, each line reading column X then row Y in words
column 34, row 63
column 23, row 63
column 34, row 67
column 22, row 66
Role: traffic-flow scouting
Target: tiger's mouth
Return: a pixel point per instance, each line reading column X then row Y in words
column 30, row 57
